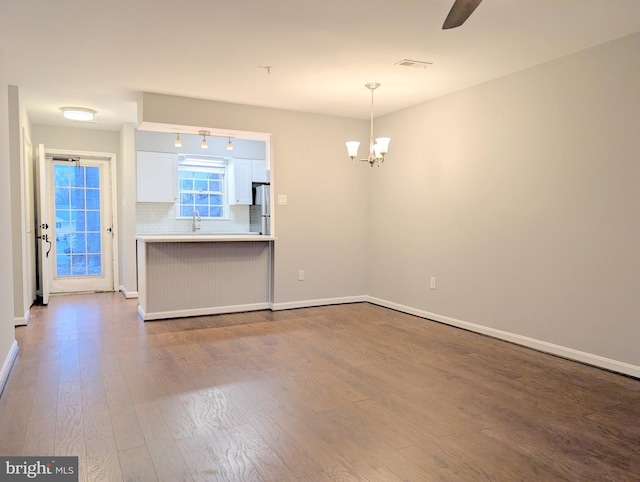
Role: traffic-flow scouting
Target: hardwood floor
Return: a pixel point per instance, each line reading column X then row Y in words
column 337, row 393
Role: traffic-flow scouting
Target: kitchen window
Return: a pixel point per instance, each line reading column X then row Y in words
column 201, row 188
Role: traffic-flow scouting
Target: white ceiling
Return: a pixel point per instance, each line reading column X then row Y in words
column 102, row 54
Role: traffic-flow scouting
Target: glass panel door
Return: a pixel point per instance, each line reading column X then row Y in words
column 81, row 214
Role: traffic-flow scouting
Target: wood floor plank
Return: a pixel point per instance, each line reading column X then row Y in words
column 69, row 437
column 40, row 437
column 202, row 459
column 101, row 453
column 126, row 428
column 136, row 465
column 266, row 462
column 164, row 452
column 299, row 462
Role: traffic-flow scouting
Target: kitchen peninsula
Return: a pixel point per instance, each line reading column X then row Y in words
column 182, row 275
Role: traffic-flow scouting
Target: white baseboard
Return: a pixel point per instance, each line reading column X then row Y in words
column 562, row 351
column 8, row 363
column 22, row 320
column 218, row 310
column 319, row 302
column 128, row 294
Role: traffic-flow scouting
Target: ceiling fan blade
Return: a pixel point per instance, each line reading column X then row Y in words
column 460, row 12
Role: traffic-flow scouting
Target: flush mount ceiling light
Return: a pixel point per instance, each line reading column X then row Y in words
column 229, row 145
column 377, row 147
column 204, row 135
column 178, row 142
column 78, row 113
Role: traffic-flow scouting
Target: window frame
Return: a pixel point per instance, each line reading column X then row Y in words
column 208, row 165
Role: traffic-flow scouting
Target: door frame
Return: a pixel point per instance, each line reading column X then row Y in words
column 112, row 159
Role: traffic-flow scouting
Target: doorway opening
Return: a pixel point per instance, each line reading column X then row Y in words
column 76, row 222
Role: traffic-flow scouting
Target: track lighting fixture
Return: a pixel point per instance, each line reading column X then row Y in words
column 178, row 142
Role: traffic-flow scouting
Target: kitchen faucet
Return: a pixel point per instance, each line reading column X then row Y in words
column 196, row 217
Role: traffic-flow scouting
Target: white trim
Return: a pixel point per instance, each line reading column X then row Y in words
column 319, row 302
column 215, row 310
column 128, row 294
column 23, row 320
column 562, row 351
column 8, row 363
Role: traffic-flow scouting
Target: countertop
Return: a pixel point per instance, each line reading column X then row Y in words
column 202, row 238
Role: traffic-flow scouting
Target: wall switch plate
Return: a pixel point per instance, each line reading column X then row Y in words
column 432, row 282
column 282, row 199
column 301, row 275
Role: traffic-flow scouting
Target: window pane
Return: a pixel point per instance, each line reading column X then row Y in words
column 77, row 198
column 200, row 175
column 93, row 176
column 63, row 265
column 186, row 211
column 215, row 199
column 60, row 175
column 93, row 220
column 93, row 243
column 62, row 244
column 94, row 264
column 77, row 221
column 62, row 197
column 78, row 264
column 186, row 185
column 79, row 243
column 215, row 212
column 215, row 186
column 76, row 176
column 93, row 199
column 186, row 198
column 200, row 185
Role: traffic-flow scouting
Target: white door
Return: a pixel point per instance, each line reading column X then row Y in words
column 29, row 246
column 42, row 228
column 81, row 231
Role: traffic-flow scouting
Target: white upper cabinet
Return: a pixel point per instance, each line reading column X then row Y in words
column 240, row 181
column 259, row 171
column 157, row 177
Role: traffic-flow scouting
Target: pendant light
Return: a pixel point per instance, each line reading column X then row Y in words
column 204, row 135
column 229, row 145
column 178, row 142
column 377, row 147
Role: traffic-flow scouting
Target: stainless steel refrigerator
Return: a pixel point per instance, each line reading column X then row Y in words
column 261, row 210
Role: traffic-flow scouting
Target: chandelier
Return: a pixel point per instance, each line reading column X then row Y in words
column 377, row 147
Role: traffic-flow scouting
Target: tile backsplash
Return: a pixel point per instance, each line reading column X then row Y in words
column 158, row 218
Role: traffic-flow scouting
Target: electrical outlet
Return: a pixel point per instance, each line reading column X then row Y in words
column 432, row 282
column 301, row 275
column 282, row 200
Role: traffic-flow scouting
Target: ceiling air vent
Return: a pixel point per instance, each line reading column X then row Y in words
column 416, row 64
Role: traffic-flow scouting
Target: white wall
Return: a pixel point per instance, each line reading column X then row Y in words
column 75, row 138
column 127, row 211
column 8, row 345
column 322, row 230
column 521, row 197
column 22, row 214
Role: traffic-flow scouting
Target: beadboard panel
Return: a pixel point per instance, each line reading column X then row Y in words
column 201, row 277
